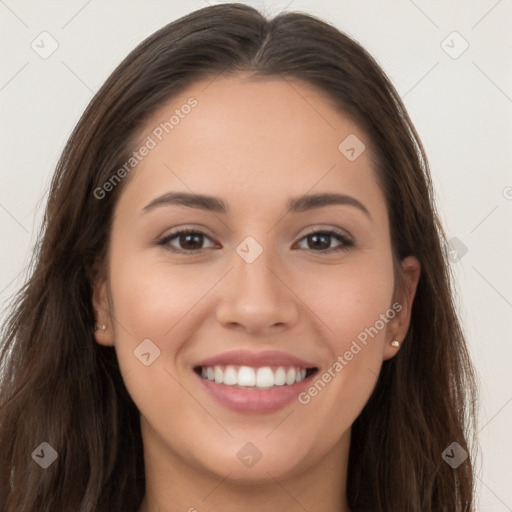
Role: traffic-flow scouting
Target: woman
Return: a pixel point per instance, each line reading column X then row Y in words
column 240, row 300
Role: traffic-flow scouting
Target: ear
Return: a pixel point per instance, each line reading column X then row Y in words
column 404, row 298
column 101, row 306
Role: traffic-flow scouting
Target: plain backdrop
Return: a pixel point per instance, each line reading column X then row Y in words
column 460, row 100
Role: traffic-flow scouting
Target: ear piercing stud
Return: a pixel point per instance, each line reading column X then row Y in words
column 395, row 343
column 101, row 327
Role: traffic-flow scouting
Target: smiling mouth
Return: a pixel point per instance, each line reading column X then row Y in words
column 255, row 378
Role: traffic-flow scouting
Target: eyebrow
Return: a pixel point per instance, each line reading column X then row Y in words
column 217, row 205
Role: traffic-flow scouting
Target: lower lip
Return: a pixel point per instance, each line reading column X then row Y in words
column 254, row 401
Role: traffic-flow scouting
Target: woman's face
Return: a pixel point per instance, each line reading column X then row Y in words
column 250, row 297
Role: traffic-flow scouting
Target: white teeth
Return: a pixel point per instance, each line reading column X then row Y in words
column 230, row 376
column 246, row 376
column 290, row 376
column 218, row 374
column 279, row 377
column 264, row 377
column 258, row 378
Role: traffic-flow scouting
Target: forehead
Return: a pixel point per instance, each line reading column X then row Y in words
column 254, row 140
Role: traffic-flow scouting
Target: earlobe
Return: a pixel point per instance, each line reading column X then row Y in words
column 399, row 325
column 391, row 349
column 103, row 329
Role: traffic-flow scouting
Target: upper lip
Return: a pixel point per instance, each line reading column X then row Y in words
column 255, row 359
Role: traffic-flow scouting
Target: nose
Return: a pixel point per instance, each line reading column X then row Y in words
column 256, row 298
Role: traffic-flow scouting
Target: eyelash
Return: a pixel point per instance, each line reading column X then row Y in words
column 346, row 242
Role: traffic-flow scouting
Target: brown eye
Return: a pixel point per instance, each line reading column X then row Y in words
column 191, row 241
column 320, row 241
column 187, row 240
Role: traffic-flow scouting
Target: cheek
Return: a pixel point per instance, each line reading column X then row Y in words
column 157, row 301
column 348, row 299
column 353, row 305
column 152, row 303
column 151, row 297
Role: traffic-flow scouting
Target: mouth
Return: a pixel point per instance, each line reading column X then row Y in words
column 251, row 378
column 254, row 382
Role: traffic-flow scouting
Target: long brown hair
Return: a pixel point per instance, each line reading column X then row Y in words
column 61, row 387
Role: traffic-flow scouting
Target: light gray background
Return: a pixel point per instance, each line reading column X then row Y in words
column 461, row 107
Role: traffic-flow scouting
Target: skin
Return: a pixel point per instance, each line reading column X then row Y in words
column 255, row 144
